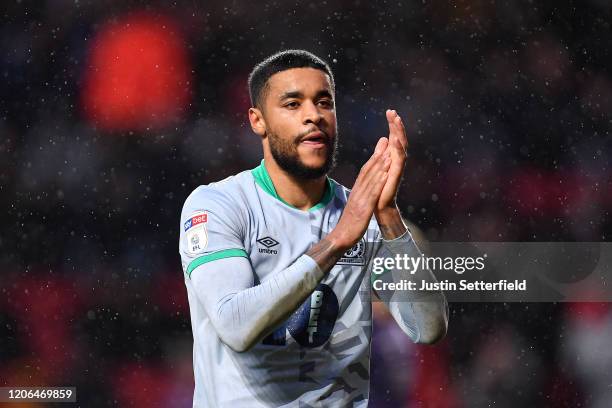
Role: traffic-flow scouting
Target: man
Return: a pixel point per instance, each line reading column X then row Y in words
column 277, row 259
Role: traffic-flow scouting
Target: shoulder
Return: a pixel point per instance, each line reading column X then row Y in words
column 224, row 195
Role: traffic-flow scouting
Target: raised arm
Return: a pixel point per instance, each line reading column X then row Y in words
column 421, row 315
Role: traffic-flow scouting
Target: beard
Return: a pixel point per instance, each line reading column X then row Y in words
column 285, row 153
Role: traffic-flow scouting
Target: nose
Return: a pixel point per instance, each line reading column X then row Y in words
column 311, row 113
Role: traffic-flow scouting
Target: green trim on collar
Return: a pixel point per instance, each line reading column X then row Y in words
column 225, row 253
column 262, row 178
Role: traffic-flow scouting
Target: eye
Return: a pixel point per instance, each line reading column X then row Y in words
column 326, row 103
column 291, row 105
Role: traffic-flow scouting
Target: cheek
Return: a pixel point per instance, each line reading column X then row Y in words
column 331, row 120
column 284, row 124
column 329, row 115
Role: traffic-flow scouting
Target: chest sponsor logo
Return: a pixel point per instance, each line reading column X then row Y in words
column 354, row 256
column 312, row 324
column 268, row 243
column 196, row 235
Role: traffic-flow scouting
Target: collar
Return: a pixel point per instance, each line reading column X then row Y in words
column 262, row 178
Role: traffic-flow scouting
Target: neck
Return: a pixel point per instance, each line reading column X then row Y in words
column 299, row 193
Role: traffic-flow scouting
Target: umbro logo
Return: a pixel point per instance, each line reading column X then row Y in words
column 268, row 242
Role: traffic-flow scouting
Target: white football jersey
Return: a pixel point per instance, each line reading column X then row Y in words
column 320, row 355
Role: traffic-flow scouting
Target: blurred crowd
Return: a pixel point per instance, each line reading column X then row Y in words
column 112, row 112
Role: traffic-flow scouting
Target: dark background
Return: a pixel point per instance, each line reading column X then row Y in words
column 112, row 112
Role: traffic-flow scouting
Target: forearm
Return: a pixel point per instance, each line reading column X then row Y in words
column 242, row 314
column 421, row 314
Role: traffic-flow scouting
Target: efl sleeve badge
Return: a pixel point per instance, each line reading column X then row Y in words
column 195, row 232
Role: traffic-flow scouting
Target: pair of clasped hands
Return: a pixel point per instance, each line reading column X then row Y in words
column 375, row 189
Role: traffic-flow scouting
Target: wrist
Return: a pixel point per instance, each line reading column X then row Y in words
column 327, row 251
column 388, row 213
column 390, row 222
column 340, row 243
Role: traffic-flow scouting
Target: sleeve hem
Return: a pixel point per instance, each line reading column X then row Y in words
column 225, row 253
column 312, row 265
column 402, row 237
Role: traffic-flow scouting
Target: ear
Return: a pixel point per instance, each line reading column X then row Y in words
column 258, row 124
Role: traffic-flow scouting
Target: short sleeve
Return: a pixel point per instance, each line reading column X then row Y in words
column 211, row 228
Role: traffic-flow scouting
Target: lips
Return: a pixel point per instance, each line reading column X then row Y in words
column 315, row 139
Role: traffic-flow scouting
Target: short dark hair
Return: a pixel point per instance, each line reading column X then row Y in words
column 281, row 61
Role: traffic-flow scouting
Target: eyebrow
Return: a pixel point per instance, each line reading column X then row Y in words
column 298, row 94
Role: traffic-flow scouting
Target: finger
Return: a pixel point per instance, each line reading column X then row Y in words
column 387, row 162
column 379, row 150
column 402, row 132
column 378, row 184
column 394, row 129
column 396, row 144
column 376, row 168
column 382, row 167
column 381, row 146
